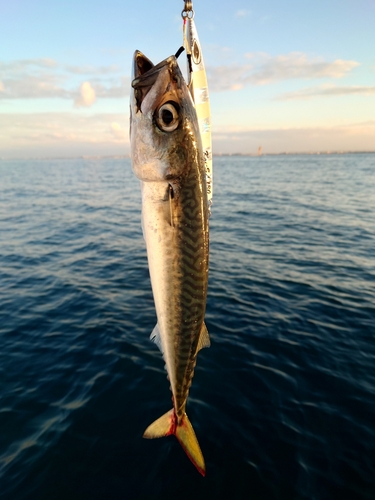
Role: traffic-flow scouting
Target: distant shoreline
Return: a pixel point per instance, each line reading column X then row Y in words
column 302, row 153
column 215, row 155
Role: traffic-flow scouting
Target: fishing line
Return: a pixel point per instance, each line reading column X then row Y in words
column 179, row 52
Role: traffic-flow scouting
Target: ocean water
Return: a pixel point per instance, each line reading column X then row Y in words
column 283, row 403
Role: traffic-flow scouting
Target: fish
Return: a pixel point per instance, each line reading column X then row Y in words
column 168, row 159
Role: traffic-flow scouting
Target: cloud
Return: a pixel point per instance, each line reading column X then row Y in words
column 350, row 137
column 119, row 88
column 92, row 70
column 297, row 65
column 33, row 87
column 50, row 86
column 86, row 96
column 23, row 64
column 231, row 77
column 266, row 70
column 32, row 78
column 63, row 134
column 45, row 78
column 76, row 134
column 327, row 90
column 118, row 132
column 242, row 13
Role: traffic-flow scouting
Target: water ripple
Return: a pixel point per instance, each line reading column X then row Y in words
column 282, row 403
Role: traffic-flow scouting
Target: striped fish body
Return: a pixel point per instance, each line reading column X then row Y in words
column 167, row 157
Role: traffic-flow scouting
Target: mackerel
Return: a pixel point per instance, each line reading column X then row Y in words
column 167, row 157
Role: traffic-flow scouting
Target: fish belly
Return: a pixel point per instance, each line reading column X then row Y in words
column 176, row 235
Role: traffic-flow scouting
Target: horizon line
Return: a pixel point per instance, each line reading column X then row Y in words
column 253, row 155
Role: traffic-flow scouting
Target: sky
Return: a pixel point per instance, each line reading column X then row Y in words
column 292, row 76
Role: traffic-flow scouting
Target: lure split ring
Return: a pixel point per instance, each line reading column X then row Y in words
column 188, row 12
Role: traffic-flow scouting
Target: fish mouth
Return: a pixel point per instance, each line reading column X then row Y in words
column 145, row 74
column 141, row 64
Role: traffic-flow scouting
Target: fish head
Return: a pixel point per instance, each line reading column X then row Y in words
column 164, row 132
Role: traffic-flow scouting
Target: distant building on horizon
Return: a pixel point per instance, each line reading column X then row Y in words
column 260, row 151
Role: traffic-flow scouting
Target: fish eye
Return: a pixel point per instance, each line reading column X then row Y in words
column 167, row 118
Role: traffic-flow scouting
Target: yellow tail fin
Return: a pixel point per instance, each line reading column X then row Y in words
column 184, row 432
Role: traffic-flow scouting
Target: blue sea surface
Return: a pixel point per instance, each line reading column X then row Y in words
column 283, row 403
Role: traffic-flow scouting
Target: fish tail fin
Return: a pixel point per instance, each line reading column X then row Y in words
column 188, row 440
column 184, row 432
